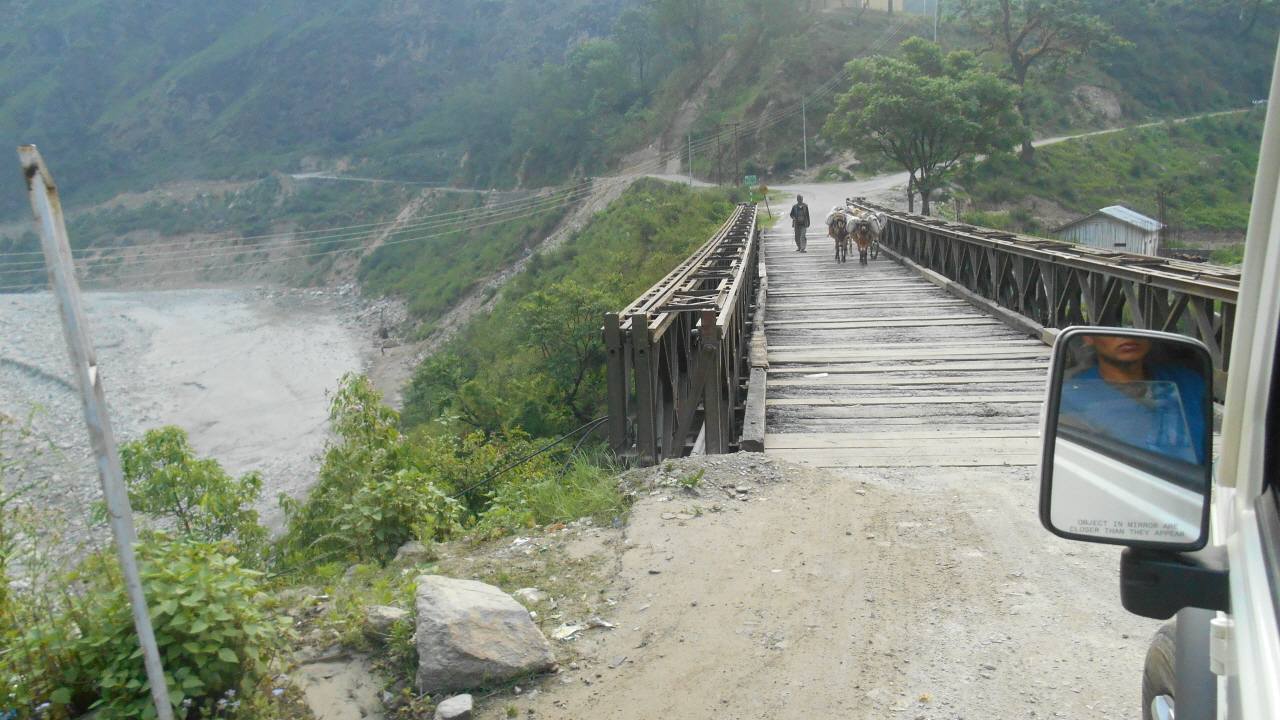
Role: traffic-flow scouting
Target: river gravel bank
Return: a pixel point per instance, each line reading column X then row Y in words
column 244, row 371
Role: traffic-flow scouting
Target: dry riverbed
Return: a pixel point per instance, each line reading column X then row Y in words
column 244, row 372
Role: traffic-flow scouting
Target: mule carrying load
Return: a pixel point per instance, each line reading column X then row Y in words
column 841, row 223
column 845, row 224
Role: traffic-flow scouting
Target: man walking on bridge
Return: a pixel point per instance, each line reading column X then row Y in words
column 800, row 220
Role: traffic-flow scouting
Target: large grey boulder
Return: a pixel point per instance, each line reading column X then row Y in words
column 470, row 633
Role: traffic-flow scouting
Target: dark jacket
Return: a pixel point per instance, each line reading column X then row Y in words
column 800, row 215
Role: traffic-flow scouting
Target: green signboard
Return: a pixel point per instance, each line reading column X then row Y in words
column 751, row 179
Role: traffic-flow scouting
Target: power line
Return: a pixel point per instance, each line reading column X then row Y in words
column 436, row 220
column 306, row 255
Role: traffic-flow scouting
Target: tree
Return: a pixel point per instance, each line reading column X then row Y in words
column 563, row 323
column 689, row 26
column 166, row 480
column 635, row 34
column 929, row 112
column 1053, row 33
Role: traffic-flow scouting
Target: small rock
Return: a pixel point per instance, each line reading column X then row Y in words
column 565, row 632
column 412, row 552
column 529, row 595
column 988, row 667
column 694, row 603
column 379, row 619
column 683, row 516
column 457, row 707
column 668, row 516
column 617, row 662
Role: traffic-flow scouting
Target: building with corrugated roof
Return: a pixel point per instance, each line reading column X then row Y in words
column 1114, row 228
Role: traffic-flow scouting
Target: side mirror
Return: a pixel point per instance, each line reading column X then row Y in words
column 1127, row 435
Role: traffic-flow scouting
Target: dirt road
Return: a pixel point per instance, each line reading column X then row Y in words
column 869, row 594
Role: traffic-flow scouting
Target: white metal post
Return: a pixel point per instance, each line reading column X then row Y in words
column 804, row 130
column 689, row 140
column 84, row 362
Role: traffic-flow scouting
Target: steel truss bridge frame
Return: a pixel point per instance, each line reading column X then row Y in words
column 676, row 357
column 1057, row 284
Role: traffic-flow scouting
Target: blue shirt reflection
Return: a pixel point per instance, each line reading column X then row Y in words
column 1162, row 415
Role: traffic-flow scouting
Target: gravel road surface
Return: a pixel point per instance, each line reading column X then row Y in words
column 885, row 593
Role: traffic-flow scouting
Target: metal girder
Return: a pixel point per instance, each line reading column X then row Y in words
column 1058, row 283
column 676, row 356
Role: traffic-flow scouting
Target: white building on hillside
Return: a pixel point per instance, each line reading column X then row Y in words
column 1114, row 228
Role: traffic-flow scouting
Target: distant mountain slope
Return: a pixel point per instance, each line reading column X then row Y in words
column 205, row 88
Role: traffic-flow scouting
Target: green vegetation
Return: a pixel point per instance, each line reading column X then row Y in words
column 1031, row 33
column 193, row 496
column 1205, row 167
column 510, row 369
column 929, row 113
column 433, row 267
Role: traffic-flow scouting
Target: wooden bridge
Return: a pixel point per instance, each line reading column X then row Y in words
column 889, row 365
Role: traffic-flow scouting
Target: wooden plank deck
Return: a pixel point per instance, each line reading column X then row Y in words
column 877, row 367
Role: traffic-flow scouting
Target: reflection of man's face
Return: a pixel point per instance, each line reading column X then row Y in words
column 1119, row 358
column 1119, row 350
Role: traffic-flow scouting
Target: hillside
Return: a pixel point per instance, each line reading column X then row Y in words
column 125, row 96
column 1204, row 166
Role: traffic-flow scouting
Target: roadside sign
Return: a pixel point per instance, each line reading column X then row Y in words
column 751, row 179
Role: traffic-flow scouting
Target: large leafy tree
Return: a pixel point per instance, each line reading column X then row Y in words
column 929, row 112
column 690, row 27
column 1031, row 33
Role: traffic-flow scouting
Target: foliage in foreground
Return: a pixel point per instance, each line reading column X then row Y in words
column 379, row 488
column 194, row 496
column 80, row 652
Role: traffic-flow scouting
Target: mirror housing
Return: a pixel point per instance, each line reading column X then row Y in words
column 1126, row 435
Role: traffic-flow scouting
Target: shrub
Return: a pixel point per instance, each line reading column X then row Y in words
column 213, row 635
column 376, row 491
column 195, row 496
column 832, row 173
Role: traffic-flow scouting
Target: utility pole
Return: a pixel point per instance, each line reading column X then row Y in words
column 737, row 157
column 937, row 4
column 804, row 132
column 84, row 362
column 1162, row 235
column 719, row 158
column 689, row 139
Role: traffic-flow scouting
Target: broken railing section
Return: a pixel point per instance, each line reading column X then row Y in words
column 677, row 355
column 1058, row 284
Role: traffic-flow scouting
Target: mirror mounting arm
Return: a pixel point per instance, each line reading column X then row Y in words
column 1159, row 583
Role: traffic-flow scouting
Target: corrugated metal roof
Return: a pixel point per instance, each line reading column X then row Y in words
column 1120, row 213
column 1129, row 217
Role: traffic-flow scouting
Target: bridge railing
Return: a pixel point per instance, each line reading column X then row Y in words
column 1058, row 284
column 676, row 356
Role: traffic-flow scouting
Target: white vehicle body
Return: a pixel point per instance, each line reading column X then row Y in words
column 1248, row 654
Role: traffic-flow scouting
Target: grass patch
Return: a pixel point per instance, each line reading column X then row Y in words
column 1205, row 167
